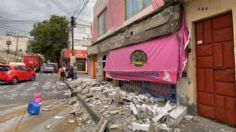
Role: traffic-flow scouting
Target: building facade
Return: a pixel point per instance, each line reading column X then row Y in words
column 207, row 85
column 17, row 48
column 18, row 43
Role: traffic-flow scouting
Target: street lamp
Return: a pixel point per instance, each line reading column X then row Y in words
column 8, row 43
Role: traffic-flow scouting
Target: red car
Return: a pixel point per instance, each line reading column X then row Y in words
column 13, row 73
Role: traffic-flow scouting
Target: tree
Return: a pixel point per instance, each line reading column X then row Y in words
column 50, row 37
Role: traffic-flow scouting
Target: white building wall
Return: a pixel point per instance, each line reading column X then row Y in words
column 22, row 43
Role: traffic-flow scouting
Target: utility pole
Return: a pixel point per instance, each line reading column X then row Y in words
column 72, row 33
column 72, row 58
column 8, row 43
column 17, row 40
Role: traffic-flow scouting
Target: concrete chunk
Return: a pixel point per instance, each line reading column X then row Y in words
column 140, row 127
column 177, row 115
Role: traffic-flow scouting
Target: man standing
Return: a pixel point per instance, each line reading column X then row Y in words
column 71, row 72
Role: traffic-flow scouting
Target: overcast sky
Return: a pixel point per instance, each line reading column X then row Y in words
column 19, row 15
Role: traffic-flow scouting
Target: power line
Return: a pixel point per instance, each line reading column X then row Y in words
column 10, row 27
column 80, row 3
column 82, row 8
column 46, row 16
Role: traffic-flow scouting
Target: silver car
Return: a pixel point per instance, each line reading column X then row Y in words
column 46, row 68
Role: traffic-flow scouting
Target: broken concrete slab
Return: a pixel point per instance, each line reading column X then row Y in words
column 115, row 128
column 158, row 127
column 133, row 109
column 188, row 117
column 176, row 115
column 48, row 126
column 140, row 127
column 71, row 120
column 58, row 117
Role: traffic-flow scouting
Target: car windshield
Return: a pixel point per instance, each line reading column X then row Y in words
column 49, row 65
column 4, row 68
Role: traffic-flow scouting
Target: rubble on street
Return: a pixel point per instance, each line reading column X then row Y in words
column 120, row 110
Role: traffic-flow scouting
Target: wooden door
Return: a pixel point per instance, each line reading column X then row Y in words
column 216, row 89
column 94, row 66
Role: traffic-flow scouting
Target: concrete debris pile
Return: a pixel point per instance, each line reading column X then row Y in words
column 125, row 111
column 82, row 117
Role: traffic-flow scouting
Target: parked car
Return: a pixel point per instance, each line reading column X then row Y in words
column 48, row 68
column 13, row 73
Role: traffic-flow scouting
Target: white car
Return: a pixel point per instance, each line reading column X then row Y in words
column 47, row 68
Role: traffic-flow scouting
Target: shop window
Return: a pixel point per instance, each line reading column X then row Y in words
column 102, row 23
column 81, row 65
column 135, row 6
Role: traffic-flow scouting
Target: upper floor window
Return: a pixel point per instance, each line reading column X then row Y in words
column 102, row 23
column 81, row 29
column 135, row 6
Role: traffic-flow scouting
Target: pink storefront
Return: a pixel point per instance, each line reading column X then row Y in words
column 159, row 60
column 136, row 49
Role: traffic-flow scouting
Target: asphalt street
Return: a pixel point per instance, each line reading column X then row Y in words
column 22, row 93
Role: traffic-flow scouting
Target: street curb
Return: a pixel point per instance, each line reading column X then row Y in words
column 96, row 118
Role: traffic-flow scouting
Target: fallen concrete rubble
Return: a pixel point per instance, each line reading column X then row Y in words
column 119, row 110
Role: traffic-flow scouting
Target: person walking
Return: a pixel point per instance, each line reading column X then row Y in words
column 71, row 72
column 62, row 74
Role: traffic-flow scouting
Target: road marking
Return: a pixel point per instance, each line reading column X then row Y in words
column 30, row 88
column 35, row 84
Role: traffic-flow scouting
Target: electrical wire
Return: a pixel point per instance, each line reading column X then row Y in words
column 13, row 25
column 80, row 3
column 82, row 8
column 10, row 27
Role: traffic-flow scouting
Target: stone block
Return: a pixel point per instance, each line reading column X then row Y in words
column 140, row 127
column 176, row 115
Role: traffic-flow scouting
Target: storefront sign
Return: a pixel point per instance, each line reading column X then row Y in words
column 77, row 53
column 138, row 58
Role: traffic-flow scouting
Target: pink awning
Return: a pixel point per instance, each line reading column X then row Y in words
column 157, row 60
column 161, row 65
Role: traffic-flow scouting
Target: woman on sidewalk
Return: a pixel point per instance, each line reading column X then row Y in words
column 62, row 74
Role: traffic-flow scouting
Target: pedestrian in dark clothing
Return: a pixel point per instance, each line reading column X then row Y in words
column 71, row 72
column 62, row 74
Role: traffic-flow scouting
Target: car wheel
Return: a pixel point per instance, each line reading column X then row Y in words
column 33, row 78
column 14, row 81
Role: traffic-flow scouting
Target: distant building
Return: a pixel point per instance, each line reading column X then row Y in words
column 82, row 39
column 18, row 44
column 17, row 48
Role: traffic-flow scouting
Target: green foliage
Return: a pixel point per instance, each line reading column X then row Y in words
column 50, row 37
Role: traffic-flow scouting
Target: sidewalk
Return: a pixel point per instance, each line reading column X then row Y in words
column 89, row 111
column 97, row 96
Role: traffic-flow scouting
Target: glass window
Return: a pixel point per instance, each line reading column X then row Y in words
column 147, row 3
column 135, row 6
column 24, row 68
column 81, row 65
column 129, row 8
column 4, row 68
column 81, row 29
column 102, row 23
column 18, row 68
